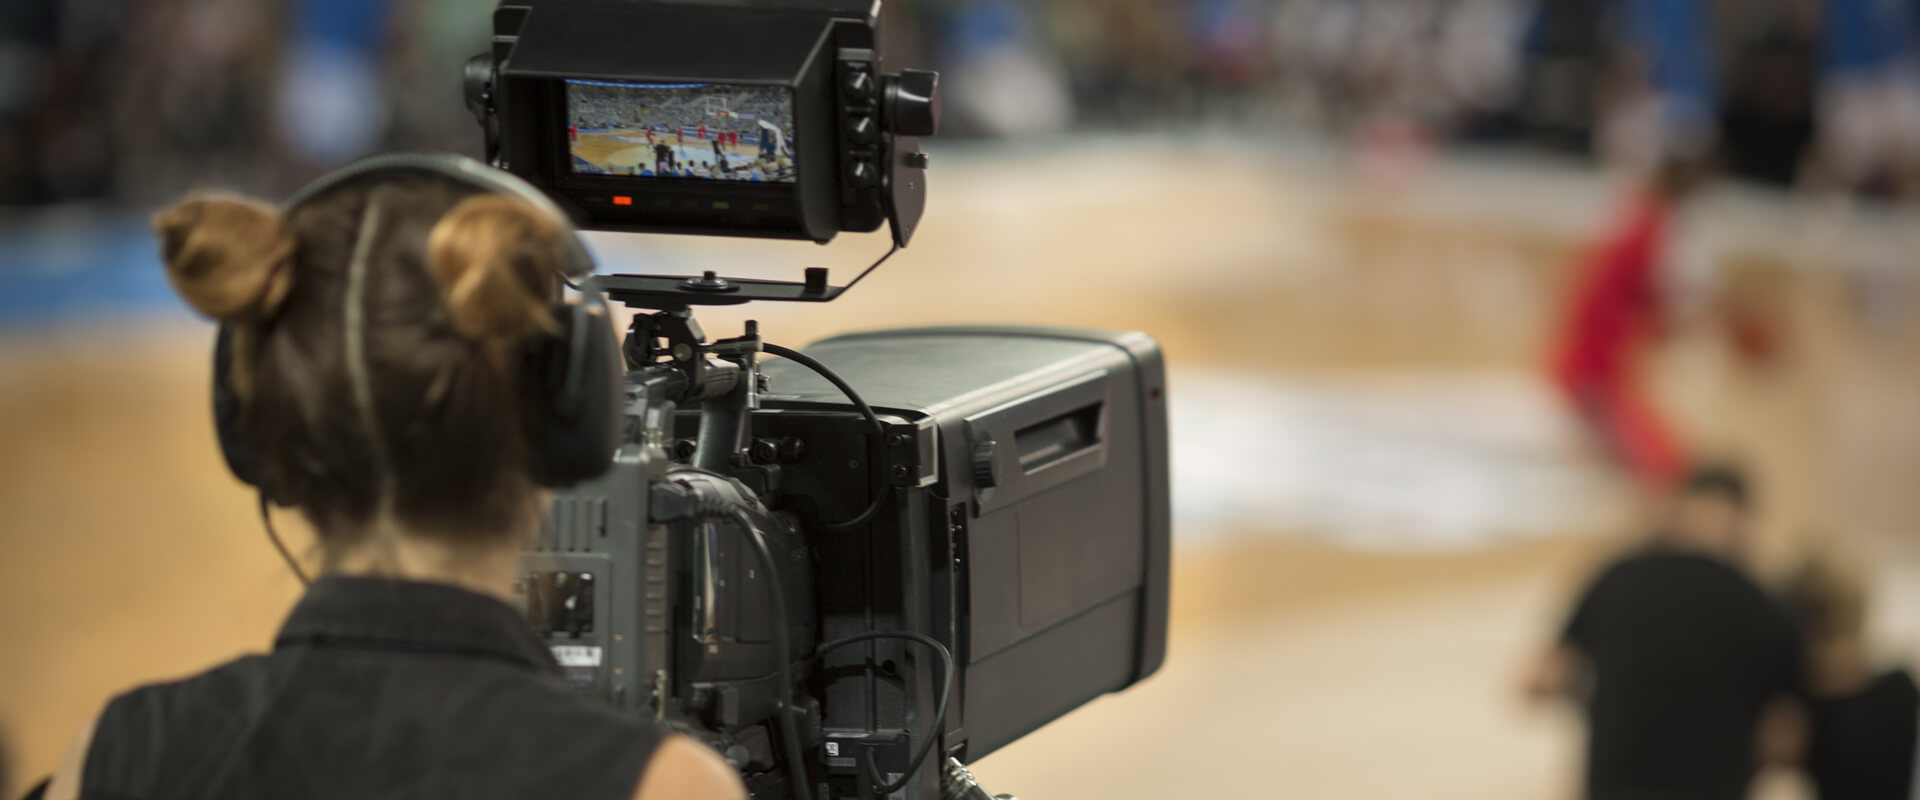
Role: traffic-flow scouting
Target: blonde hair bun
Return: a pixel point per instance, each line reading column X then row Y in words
column 226, row 255
column 497, row 259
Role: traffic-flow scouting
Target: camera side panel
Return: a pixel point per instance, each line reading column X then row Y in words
column 1052, row 462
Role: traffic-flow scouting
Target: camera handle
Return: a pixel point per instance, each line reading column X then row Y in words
column 723, row 377
column 958, row 784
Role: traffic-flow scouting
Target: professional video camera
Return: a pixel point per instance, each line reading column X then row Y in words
column 855, row 569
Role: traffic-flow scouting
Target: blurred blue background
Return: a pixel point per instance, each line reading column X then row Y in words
column 113, row 105
column 131, row 100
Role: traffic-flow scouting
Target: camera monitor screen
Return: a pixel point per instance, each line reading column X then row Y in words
column 697, row 131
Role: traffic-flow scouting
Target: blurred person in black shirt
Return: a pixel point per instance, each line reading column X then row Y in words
column 1864, row 720
column 1687, row 667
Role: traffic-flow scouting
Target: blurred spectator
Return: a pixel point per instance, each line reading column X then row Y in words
column 1315, row 41
column 1681, row 658
column 57, row 61
column 431, row 40
column 1869, row 96
column 1477, row 65
column 1567, row 46
column 1664, row 98
column 133, row 101
column 1228, row 47
column 137, row 100
column 1865, row 719
column 1004, row 80
column 194, row 108
column 1766, row 122
column 332, row 104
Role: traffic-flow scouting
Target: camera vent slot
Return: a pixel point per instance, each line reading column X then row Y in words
column 573, row 523
column 1053, row 440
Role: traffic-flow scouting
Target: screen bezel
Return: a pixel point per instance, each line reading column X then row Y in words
column 795, row 48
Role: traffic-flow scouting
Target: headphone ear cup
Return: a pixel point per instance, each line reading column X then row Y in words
column 245, row 461
column 571, row 398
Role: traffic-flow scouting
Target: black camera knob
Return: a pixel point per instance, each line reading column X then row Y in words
column 860, row 173
column 985, row 475
column 860, row 129
column 913, row 102
column 859, row 85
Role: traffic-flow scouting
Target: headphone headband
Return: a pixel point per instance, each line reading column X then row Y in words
column 578, row 263
column 571, row 408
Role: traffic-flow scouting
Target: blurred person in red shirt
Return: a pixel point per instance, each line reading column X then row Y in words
column 1614, row 312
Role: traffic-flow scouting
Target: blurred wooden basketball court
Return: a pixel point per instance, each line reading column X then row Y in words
column 1321, row 646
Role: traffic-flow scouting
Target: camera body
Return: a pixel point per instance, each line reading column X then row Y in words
column 1025, row 526
column 744, row 120
column 857, row 568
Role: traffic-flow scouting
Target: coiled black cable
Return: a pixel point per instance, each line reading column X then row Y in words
column 879, row 477
column 880, row 787
column 783, row 674
column 783, row 670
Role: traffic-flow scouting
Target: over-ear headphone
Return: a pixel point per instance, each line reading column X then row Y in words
column 570, row 382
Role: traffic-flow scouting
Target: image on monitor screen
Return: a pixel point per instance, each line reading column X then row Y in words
column 707, row 131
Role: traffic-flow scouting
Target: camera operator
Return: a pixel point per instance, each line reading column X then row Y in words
column 375, row 328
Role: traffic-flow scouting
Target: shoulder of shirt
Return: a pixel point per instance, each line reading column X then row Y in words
column 1644, row 558
column 200, row 700
column 217, row 684
column 1900, row 681
column 1657, row 557
column 221, row 690
column 1644, row 562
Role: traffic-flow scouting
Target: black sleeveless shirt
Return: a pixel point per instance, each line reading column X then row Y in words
column 374, row 689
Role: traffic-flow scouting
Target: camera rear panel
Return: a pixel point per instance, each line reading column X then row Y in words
column 596, row 585
column 1040, row 542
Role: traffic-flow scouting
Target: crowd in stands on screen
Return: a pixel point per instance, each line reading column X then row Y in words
column 599, row 109
column 701, row 169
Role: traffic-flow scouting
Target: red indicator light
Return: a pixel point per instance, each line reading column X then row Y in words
column 622, row 200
